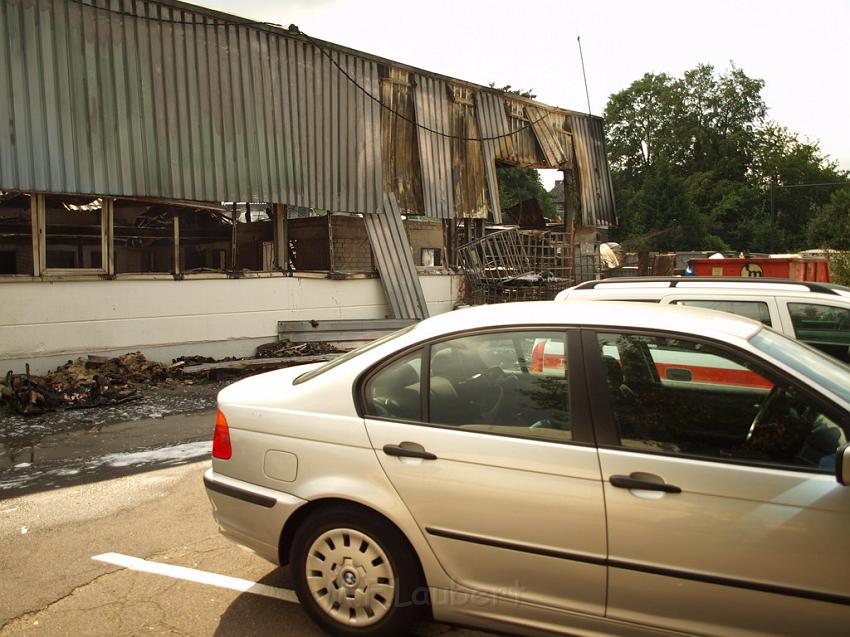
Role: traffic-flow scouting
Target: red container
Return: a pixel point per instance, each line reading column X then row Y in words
column 794, row 268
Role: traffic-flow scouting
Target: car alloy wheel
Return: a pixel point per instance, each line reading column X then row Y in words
column 350, row 577
column 355, row 573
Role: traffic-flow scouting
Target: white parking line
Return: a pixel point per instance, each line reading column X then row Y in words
column 195, row 575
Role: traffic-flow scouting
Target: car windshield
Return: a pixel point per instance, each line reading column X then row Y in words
column 807, row 361
column 352, row 354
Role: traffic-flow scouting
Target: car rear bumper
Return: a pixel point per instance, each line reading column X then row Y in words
column 248, row 514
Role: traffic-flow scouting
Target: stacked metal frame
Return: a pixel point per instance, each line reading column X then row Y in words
column 517, row 265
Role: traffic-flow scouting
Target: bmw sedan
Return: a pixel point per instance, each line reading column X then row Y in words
column 621, row 469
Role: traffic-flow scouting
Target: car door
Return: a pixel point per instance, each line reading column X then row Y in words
column 720, row 523
column 495, row 461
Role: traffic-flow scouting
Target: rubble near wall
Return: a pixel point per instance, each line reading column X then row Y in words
column 99, row 381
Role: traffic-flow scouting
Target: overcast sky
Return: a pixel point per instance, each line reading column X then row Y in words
column 800, row 49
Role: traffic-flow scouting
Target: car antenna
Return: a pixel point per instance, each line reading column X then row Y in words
column 584, row 74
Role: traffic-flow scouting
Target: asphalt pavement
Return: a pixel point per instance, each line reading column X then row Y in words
column 139, row 554
column 103, row 452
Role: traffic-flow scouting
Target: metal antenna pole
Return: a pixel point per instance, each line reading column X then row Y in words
column 584, row 74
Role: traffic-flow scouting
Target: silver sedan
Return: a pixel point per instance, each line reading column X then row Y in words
column 622, row 469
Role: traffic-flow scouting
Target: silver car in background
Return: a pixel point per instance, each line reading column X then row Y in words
column 538, row 468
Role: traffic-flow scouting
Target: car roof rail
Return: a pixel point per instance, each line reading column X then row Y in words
column 674, row 281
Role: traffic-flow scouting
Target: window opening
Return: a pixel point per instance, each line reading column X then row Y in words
column 15, row 233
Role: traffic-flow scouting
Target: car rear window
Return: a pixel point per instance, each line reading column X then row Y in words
column 756, row 310
column 313, row 373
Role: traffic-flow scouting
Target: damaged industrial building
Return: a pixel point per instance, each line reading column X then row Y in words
column 176, row 180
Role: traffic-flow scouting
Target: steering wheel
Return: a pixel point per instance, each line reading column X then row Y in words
column 764, row 409
column 387, row 408
column 492, row 392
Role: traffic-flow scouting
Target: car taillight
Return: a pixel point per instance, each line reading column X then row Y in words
column 221, row 438
column 537, row 358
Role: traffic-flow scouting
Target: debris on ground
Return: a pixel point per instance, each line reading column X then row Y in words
column 97, row 381
column 89, row 382
column 288, row 349
column 268, row 356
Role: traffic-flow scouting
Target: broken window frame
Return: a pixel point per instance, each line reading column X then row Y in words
column 38, row 212
column 175, row 236
column 281, row 264
column 23, row 276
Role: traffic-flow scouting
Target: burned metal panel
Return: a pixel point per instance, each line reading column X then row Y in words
column 431, row 103
column 139, row 99
column 400, row 148
column 8, row 159
column 493, row 122
column 467, row 168
column 527, row 151
column 132, row 98
column 560, row 125
column 547, row 138
column 596, row 191
column 395, row 262
column 493, row 125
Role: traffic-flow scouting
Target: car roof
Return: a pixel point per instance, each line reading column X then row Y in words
column 763, row 285
column 612, row 314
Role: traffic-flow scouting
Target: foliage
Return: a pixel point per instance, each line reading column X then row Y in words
column 507, row 88
column 519, row 184
column 829, row 227
column 696, row 165
column 839, row 267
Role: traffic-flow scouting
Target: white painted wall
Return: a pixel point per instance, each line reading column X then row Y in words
column 46, row 323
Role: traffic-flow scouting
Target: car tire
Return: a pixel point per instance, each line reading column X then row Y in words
column 356, row 575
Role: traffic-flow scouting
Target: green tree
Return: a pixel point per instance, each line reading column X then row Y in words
column 520, row 184
column 830, row 227
column 705, row 135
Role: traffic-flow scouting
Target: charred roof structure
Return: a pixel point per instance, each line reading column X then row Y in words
column 166, row 100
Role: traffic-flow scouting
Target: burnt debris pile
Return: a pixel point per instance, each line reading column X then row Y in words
column 90, row 382
column 287, row 349
column 98, row 381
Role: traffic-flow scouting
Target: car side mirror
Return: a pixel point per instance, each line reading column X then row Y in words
column 842, row 465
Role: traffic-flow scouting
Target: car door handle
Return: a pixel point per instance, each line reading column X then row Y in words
column 627, row 482
column 407, row 452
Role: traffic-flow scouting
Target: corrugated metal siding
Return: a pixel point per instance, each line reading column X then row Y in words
column 395, row 262
column 467, row 157
column 187, row 105
column 434, row 150
column 559, row 122
column 595, row 187
column 548, row 140
column 493, row 122
column 400, row 149
column 527, row 150
column 93, row 101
